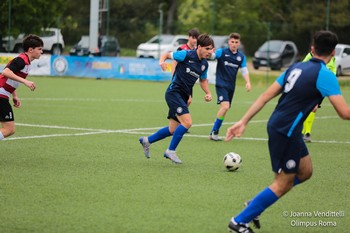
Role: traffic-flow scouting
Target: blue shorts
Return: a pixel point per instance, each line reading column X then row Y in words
column 177, row 104
column 6, row 112
column 286, row 152
column 224, row 94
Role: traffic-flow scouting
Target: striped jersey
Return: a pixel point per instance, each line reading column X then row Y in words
column 21, row 67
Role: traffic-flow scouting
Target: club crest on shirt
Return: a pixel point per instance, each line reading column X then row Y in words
column 179, row 110
column 239, row 58
column 203, row 67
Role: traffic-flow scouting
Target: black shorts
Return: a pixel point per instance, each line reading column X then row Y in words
column 177, row 105
column 286, row 152
column 224, row 94
column 6, row 113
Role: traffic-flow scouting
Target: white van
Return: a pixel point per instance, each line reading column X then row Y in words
column 154, row 49
column 342, row 59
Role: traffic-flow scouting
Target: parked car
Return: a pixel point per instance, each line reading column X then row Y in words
column 276, row 54
column 108, row 46
column 222, row 42
column 152, row 48
column 342, row 59
column 52, row 38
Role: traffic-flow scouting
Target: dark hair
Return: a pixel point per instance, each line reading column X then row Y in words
column 32, row 41
column 235, row 35
column 205, row 40
column 324, row 42
column 193, row 33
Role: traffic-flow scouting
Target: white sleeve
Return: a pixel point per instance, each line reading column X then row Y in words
column 244, row 71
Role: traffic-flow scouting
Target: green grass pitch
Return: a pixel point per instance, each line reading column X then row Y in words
column 75, row 164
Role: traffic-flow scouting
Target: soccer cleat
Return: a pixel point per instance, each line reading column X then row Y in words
column 307, row 137
column 255, row 220
column 145, row 145
column 240, row 228
column 214, row 136
column 171, row 154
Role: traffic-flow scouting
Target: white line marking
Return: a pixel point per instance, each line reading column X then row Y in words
column 143, row 131
column 94, row 100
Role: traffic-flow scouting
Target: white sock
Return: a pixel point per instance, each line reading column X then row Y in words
column 1, row 136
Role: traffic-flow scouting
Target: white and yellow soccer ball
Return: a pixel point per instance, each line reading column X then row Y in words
column 232, row 161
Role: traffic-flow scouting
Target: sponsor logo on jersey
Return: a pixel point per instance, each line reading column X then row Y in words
column 226, row 63
column 194, row 74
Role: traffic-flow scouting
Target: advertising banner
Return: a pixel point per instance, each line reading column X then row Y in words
column 101, row 67
column 108, row 67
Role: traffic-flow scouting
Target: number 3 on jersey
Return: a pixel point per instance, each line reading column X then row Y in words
column 292, row 78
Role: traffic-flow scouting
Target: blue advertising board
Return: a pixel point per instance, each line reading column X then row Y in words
column 108, row 67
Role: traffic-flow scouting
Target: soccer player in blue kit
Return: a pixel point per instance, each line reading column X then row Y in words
column 192, row 65
column 302, row 87
column 229, row 60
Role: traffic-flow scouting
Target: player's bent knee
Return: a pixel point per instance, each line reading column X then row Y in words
column 307, row 175
column 225, row 108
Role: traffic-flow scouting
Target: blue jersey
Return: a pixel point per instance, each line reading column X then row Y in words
column 188, row 69
column 304, row 84
column 227, row 67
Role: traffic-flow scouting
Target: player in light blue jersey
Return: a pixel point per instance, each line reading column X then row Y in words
column 302, row 87
column 229, row 60
column 192, row 65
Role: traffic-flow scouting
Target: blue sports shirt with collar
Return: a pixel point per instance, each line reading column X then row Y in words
column 188, row 69
column 305, row 85
column 227, row 67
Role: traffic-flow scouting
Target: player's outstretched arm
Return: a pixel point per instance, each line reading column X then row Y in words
column 340, row 106
column 237, row 129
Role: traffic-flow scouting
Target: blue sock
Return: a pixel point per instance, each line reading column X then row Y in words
column 178, row 134
column 296, row 181
column 260, row 202
column 217, row 124
column 159, row 135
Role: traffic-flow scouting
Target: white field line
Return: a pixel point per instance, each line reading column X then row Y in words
column 134, row 100
column 94, row 100
column 143, row 131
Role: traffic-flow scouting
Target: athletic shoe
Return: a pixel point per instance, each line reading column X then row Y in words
column 307, row 137
column 240, row 228
column 145, row 145
column 214, row 136
column 255, row 220
column 171, row 154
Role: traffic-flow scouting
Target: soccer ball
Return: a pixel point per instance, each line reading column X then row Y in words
column 232, row 161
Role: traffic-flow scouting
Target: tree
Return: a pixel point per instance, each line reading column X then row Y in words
column 29, row 16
